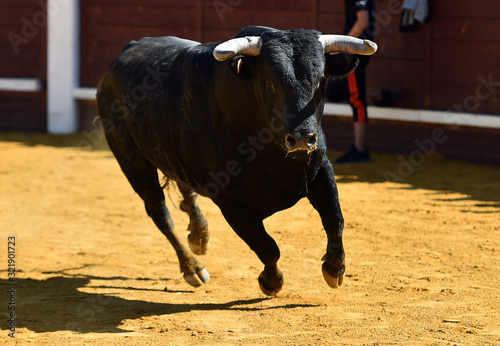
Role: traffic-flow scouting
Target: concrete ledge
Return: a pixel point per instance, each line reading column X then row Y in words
column 420, row 116
column 21, row 84
column 396, row 114
column 85, row 94
column 465, row 143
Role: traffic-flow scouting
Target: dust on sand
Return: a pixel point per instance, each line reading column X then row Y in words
column 423, row 258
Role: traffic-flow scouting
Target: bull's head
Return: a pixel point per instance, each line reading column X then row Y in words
column 288, row 71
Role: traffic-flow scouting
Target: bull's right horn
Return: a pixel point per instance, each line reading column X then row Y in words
column 347, row 44
column 249, row 45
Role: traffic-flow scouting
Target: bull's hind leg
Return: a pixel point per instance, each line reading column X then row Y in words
column 143, row 177
column 198, row 227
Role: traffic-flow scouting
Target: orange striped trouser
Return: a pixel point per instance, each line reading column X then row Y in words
column 357, row 97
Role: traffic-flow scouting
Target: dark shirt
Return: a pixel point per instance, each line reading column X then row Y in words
column 351, row 8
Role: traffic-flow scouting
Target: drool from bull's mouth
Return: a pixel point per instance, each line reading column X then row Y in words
column 188, row 109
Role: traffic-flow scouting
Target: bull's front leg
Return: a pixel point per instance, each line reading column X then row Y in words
column 323, row 195
column 249, row 227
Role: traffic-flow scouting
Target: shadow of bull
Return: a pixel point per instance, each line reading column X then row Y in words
column 58, row 304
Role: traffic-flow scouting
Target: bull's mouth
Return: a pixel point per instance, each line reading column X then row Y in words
column 308, row 143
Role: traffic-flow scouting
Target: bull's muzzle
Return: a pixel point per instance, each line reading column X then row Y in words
column 307, row 142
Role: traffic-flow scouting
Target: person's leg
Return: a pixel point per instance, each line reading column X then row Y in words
column 357, row 90
column 359, row 136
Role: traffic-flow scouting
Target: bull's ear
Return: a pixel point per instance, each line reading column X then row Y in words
column 340, row 64
column 242, row 66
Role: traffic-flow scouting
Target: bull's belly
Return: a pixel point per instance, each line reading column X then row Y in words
column 265, row 195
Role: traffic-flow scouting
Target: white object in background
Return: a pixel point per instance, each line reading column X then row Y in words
column 419, row 7
column 20, row 84
column 62, row 65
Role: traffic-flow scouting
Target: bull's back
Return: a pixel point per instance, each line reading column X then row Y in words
column 141, row 100
column 150, row 51
column 145, row 64
column 138, row 83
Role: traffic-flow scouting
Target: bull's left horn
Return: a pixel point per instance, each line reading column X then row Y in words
column 347, row 44
column 249, row 45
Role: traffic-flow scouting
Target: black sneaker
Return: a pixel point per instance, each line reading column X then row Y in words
column 354, row 155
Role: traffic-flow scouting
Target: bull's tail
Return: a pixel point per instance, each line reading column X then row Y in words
column 166, row 184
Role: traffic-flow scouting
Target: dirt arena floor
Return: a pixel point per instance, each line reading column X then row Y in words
column 423, row 259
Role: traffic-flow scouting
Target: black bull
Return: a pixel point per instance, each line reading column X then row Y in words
column 237, row 122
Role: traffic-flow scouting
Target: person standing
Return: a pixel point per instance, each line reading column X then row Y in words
column 359, row 22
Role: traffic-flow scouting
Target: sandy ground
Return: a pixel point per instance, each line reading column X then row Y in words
column 423, row 259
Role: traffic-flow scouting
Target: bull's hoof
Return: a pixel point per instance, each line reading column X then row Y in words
column 198, row 237
column 197, row 279
column 271, row 281
column 198, row 245
column 334, row 276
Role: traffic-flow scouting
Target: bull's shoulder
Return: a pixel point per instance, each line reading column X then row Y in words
column 171, row 65
column 253, row 31
column 167, row 42
column 150, row 52
column 151, row 48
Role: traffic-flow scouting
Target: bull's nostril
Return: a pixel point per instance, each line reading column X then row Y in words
column 307, row 142
column 312, row 140
column 291, row 140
